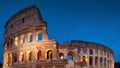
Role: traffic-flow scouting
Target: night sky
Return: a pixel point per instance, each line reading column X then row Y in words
column 88, row 20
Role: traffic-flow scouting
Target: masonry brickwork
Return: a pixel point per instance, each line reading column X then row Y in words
column 27, row 45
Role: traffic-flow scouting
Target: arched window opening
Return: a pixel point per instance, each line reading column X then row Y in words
column 16, row 40
column 6, row 59
column 39, row 55
column 90, row 52
column 21, row 57
column 61, row 56
column 90, row 60
column 30, row 56
column 15, row 57
column 11, row 43
column 39, row 36
column 70, row 56
column 31, row 38
column 105, row 62
column 101, row 60
column 22, row 39
column 10, row 58
column 85, row 58
column 8, row 45
column 49, row 55
column 96, row 60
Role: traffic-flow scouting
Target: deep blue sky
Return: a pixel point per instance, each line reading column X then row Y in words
column 88, row 20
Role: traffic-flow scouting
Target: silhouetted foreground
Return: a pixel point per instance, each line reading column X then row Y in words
column 0, row 65
column 117, row 65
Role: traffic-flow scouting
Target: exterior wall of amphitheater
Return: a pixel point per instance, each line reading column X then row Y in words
column 27, row 45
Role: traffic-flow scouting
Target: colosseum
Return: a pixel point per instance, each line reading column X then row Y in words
column 27, row 45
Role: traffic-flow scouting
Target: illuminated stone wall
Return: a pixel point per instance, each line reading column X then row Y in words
column 27, row 45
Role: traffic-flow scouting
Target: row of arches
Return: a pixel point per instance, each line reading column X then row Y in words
column 15, row 57
column 23, row 38
column 99, row 61
column 29, row 37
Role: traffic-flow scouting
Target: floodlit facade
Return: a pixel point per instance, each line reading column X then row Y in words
column 27, row 45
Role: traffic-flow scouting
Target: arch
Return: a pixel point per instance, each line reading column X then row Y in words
column 8, row 45
column 101, row 60
column 11, row 43
column 85, row 58
column 22, row 39
column 10, row 58
column 39, row 55
column 96, row 60
column 21, row 57
column 15, row 57
column 105, row 62
column 6, row 58
column 29, row 56
column 70, row 56
column 49, row 54
column 30, row 37
column 90, row 60
column 39, row 36
column 61, row 55
column 16, row 41
column 90, row 52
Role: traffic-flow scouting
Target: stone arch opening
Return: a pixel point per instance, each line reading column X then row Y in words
column 22, row 39
column 30, row 37
column 70, row 56
column 39, row 55
column 21, row 57
column 90, row 51
column 61, row 55
column 39, row 36
column 105, row 62
column 29, row 56
column 16, row 41
column 15, row 57
column 96, row 60
column 101, row 60
column 90, row 60
column 85, row 58
column 6, row 58
column 10, row 58
column 49, row 54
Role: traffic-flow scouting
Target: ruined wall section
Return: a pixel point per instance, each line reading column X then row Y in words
column 97, row 55
column 23, row 20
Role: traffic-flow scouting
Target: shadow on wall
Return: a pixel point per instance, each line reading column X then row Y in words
column 117, row 65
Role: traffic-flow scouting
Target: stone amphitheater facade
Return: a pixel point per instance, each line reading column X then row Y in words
column 27, row 45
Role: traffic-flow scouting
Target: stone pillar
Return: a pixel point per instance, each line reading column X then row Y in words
column 26, row 38
column 103, row 62
column 19, row 40
column 65, row 54
column 99, row 62
column 33, row 55
column 106, row 63
column 45, row 35
column 55, row 52
column 76, row 55
column 34, row 36
column 43, row 55
column 88, row 57
column 25, row 53
column 93, row 58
